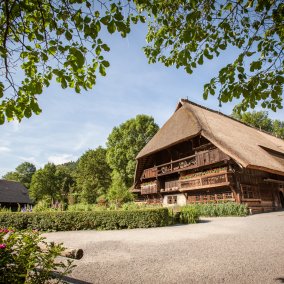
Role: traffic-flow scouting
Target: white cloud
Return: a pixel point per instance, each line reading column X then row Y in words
column 4, row 149
column 61, row 159
column 15, row 125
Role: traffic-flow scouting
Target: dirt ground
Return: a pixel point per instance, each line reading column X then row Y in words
column 217, row 250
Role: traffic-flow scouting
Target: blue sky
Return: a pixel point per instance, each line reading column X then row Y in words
column 70, row 123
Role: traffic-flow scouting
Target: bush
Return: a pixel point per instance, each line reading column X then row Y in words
column 102, row 220
column 189, row 215
column 23, row 261
column 221, row 209
column 82, row 207
column 43, row 206
column 136, row 206
column 4, row 209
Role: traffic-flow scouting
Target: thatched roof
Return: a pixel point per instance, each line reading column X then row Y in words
column 13, row 192
column 248, row 146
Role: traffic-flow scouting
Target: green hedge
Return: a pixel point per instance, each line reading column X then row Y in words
column 102, row 220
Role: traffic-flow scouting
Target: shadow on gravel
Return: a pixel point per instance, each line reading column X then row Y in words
column 280, row 279
column 198, row 222
column 203, row 221
column 70, row 280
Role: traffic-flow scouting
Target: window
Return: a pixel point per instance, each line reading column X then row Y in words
column 172, row 199
column 250, row 191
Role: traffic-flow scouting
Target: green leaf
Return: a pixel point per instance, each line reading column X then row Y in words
column 105, row 20
column 200, row 60
column 207, row 54
column 111, row 27
column 68, row 35
column 105, row 63
column 2, row 118
column 105, row 47
column 102, row 70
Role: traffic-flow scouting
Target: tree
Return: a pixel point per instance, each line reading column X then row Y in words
column 118, row 192
column 62, row 40
column 278, row 128
column 23, row 174
column 260, row 119
column 65, row 183
column 13, row 176
column 44, row 183
column 93, row 175
column 126, row 141
column 53, row 182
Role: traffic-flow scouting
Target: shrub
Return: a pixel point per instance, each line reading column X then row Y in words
column 103, row 220
column 81, row 207
column 23, row 261
column 189, row 215
column 135, row 206
column 221, row 209
column 4, row 209
column 43, row 206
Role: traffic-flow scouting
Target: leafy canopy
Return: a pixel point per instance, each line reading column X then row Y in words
column 185, row 33
column 126, row 141
column 62, row 40
column 260, row 119
column 118, row 192
column 51, row 182
column 93, row 175
column 52, row 39
column 22, row 174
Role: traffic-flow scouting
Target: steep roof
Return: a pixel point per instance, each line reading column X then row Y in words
column 13, row 192
column 248, row 146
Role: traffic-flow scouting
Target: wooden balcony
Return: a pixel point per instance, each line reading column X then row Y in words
column 177, row 165
column 171, row 186
column 149, row 173
column 149, row 188
column 218, row 179
column 191, row 162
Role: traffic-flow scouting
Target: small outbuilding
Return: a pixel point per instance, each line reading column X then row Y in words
column 13, row 194
column 201, row 155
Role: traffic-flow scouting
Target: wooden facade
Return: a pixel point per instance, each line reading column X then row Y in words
column 196, row 170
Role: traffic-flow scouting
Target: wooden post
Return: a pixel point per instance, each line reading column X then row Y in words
column 236, row 195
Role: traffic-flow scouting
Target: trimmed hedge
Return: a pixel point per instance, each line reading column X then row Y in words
column 101, row 220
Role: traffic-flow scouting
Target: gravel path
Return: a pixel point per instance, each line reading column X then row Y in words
column 217, row 250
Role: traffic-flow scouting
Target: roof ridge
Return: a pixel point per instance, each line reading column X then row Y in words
column 182, row 101
column 2, row 179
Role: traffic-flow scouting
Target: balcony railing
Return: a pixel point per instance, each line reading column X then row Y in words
column 173, row 185
column 177, row 165
column 191, row 162
column 149, row 173
column 205, row 181
column 149, row 188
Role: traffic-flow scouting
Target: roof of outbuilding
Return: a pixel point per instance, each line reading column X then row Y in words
column 13, row 192
column 248, row 146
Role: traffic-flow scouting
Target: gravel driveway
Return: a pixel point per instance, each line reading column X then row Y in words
column 217, row 250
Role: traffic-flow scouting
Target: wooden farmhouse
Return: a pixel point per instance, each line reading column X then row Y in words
column 13, row 194
column 201, row 156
